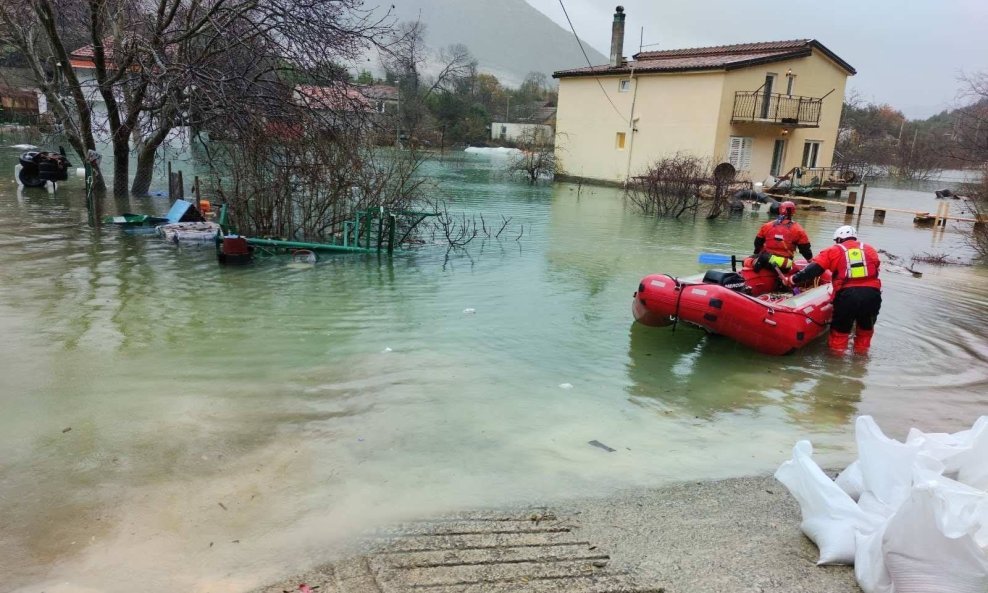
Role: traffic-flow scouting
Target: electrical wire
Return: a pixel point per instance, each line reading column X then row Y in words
column 597, row 78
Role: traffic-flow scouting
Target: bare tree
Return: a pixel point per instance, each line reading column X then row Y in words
column 304, row 180
column 970, row 145
column 538, row 158
column 919, row 157
column 970, row 129
column 670, row 187
column 420, row 74
column 161, row 64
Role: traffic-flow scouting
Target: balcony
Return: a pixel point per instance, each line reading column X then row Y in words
column 773, row 108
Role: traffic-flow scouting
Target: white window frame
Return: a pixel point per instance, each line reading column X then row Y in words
column 811, row 159
column 624, row 85
column 739, row 150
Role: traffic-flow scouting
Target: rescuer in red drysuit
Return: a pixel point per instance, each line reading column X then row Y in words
column 777, row 241
column 857, row 289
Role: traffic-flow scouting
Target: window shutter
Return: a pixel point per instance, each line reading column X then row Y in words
column 739, row 152
column 746, row 146
column 734, row 152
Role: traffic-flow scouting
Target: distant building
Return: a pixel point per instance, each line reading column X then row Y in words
column 763, row 107
column 20, row 99
column 338, row 99
column 383, row 98
column 536, row 120
column 84, row 64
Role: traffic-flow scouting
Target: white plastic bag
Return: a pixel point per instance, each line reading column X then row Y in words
column 929, row 544
column 951, row 449
column 886, row 464
column 972, row 464
column 869, row 562
column 851, row 481
column 830, row 517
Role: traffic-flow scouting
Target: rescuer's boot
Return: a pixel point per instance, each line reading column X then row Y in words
column 837, row 341
column 862, row 340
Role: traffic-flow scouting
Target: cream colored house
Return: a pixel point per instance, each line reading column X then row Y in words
column 763, row 107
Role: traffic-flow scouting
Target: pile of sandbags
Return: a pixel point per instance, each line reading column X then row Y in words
column 911, row 517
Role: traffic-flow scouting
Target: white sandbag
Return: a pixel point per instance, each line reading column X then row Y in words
column 869, row 562
column 870, row 504
column 973, row 463
column 929, row 544
column 851, row 481
column 951, row 449
column 830, row 517
column 886, row 464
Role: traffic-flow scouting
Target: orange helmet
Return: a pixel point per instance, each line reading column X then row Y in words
column 787, row 209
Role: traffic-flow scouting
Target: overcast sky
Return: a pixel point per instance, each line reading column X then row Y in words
column 908, row 53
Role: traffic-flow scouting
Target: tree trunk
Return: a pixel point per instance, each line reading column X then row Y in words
column 146, row 151
column 144, row 171
column 121, row 166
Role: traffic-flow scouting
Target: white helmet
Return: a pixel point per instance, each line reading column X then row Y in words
column 845, row 232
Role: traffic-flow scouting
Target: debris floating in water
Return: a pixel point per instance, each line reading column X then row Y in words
column 386, row 350
column 566, row 386
column 469, row 311
column 24, row 146
column 601, row 445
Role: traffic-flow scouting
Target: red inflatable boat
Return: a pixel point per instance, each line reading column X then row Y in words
column 739, row 305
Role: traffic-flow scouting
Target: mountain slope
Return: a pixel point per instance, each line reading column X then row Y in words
column 508, row 37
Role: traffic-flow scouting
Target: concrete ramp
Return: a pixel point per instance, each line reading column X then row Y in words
column 535, row 552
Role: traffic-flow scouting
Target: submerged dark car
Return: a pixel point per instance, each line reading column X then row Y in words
column 37, row 168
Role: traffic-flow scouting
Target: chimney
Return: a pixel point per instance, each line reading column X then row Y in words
column 617, row 37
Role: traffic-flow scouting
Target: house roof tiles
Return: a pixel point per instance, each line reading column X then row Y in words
column 340, row 97
column 719, row 57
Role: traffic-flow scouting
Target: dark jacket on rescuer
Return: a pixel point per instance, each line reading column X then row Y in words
column 857, row 291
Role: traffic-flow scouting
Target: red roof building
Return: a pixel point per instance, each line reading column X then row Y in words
column 766, row 108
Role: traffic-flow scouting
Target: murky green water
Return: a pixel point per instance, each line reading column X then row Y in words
column 230, row 425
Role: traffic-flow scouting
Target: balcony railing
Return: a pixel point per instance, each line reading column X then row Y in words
column 785, row 110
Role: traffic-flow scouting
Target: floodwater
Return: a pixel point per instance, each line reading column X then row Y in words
column 171, row 425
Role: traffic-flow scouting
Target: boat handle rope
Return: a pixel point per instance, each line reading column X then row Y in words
column 679, row 296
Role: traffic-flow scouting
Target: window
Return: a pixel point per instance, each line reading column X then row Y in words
column 624, row 86
column 619, row 141
column 739, row 152
column 811, row 150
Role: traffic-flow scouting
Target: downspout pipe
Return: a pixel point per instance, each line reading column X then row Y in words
column 632, row 125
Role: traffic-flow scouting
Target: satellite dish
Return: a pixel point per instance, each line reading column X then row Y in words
column 724, row 173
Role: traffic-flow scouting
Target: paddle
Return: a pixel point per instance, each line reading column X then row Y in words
column 717, row 258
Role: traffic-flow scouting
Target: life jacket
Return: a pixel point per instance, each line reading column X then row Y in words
column 780, row 239
column 859, row 267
